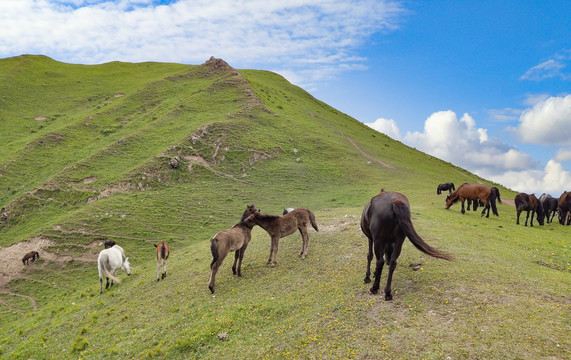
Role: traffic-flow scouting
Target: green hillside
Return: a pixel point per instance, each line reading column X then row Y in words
column 139, row 153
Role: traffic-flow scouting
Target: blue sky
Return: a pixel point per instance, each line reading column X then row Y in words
column 485, row 85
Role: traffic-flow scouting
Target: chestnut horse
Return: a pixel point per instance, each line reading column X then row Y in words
column 564, row 208
column 386, row 221
column 446, row 186
column 163, row 252
column 527, row 203
column 282, row 226
column 474, row 192
column 234, row 239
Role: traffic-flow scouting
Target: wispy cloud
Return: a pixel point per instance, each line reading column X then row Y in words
column 555, row 67
column 296, row 35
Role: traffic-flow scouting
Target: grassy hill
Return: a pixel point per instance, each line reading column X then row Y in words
column 139, row 153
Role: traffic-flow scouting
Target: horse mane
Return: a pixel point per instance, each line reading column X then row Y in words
column 267, row 217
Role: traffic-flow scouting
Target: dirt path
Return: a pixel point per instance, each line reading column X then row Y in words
column 382, row 163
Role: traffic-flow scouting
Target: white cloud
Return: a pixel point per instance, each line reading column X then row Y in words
column 548, row 122
column 554, row 179
column 462, row 143
column 563, row 155
column 319, row 35
column 386, row 126
column 551, row 68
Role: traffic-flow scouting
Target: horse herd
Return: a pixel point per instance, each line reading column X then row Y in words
column 385, row 221
column 543, row 208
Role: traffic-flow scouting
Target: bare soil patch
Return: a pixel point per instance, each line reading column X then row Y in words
column 40, row 118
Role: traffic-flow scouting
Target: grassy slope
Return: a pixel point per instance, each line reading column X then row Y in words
column 507, row 295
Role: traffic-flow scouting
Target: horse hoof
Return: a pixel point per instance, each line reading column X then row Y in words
column 388, row 297
column 164, row 275
column 373, row 290
column 211, row 289
column 273, row 264
column 367, row 280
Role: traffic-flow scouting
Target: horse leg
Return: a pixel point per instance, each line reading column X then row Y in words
column 394, row 254
column 214, row 270
column 101, row 285
column 518, row 213
column 158, row 269
column 275, row 242
column 526, row 217
column 242, row 251
column 369, row 258
column 236, row 257
column 305, row 242
column 463, row 211
column 164, row 268
column 379, row 254
column 532, row 215
column 107, row 284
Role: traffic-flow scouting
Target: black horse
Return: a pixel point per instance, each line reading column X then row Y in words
column 386, row 221
column 549, row 204
column 446, row 186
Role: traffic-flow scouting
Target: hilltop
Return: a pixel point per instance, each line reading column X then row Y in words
column 144, row 152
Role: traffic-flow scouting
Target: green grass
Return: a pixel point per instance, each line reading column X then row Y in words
column 98, row 167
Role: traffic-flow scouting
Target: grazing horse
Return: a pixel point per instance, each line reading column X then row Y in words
column 446, row 186
column 108, row 243
column 564, row 208
column 525, row 202
column 386, row 221
column 32, row 255
column 474, row 192
column 549, row 205
column 234, row 239
column 163, row 252
column 281, row 226
column 108, row 262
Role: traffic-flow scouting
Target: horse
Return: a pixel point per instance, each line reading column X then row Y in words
column 163, row 252
column 549, row 205
column 32, row 255
column 446, row 186
column 564, row 208
column 282, row 226
column 474, row 193
column 287, row 210
column 108, row 262
column 234, row 239
column 525, row 202
column 386, row 221
column 108, row 243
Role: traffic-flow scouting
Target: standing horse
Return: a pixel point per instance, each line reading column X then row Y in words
column 386, row 221
column 446, row 186
column 108, row 243
column 108, row 262
column 32, row 255
column 525, row 202
column 234, row 239
column 163, row 252
column 549, row 205
column 474, row 192
column 564, row 208
column 281, row 226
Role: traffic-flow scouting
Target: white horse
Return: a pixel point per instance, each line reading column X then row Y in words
column 108, row 262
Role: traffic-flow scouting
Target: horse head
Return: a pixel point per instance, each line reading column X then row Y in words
column 126, row 267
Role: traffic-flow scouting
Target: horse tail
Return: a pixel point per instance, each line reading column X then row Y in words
column 520, row 205
column 497, row 194
column 453, row 188
column 163, row 251
column 438, row 190
column 103, row 263
column 312, row 220
column 493, row 195
column 214, row 249
column 402, row 213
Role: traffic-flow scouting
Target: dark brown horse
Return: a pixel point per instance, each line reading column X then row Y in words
column 446, row 186
column 281, row 226
column 163, row 252
column 386, row 221
column 475, row 193
column 234, row 239
column 109, row 243
column 527, row 203
column 32, row 255
column 564, row 208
